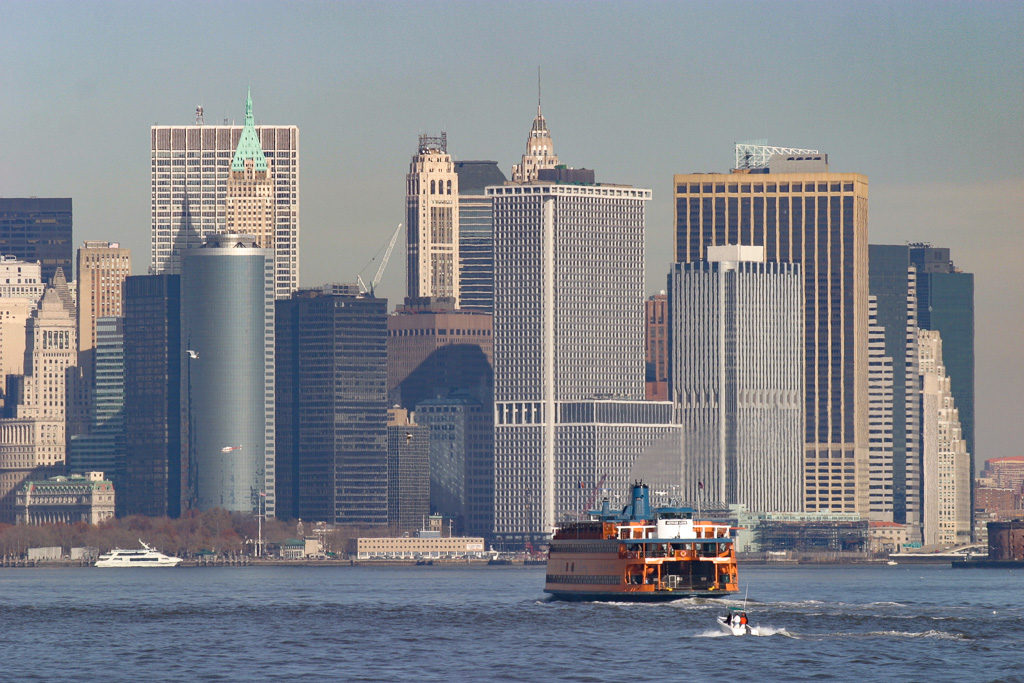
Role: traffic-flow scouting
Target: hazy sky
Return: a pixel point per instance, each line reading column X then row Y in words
column 925, row 98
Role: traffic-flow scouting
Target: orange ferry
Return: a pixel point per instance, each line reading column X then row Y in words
column 640, row 554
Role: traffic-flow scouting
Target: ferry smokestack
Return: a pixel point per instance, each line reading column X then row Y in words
column 641, row 502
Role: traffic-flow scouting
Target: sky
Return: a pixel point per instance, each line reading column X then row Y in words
column 924, row 98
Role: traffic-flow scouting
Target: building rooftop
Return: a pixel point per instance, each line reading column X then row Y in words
column 249, row 145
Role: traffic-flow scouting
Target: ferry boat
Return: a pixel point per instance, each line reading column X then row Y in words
column 640, row 554
column 147, row 556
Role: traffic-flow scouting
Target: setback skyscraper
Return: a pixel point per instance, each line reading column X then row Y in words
column 802, row 213
column 190, row 167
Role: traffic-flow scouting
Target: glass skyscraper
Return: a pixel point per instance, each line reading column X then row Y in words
column 37, row 229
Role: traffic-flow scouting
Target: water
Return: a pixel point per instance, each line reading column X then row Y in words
column 494, row 623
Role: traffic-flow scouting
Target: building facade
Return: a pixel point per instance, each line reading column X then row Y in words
column 802, row 213
column 946, row 304
column 37, row 229
column 656, row 347
column 85, row 498
column 21, row 287
column 434, row 349
column 102, row 269
column 461, row 438
column 408, row 472
column 736, row 328
column 227, row 331
column 476, row 234
column 156, row 473
column 189, row 171
column 332, row 406
column 893, row 284
column 432, row 222
column 569, row 353
column 946, row 464
column 880, row 421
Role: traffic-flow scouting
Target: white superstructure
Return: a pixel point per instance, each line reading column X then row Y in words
column 147, row 556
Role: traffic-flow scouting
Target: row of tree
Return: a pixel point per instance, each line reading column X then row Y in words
column 194, row 533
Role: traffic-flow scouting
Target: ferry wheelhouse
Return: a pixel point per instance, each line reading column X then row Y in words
column 640, row 554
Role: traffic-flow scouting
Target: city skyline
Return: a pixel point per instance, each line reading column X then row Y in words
column 924, row 100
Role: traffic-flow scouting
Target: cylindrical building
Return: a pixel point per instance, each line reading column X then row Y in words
column 227, row 307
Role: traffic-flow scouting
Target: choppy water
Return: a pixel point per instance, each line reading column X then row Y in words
column 488, row 623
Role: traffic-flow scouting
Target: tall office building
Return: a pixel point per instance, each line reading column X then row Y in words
column 476, row 234
column 880, row 421
column 190, row 167
column 21, row 287
column 32, row 433
column 434, row 350
column 155, row 472
column 332, row 406
column 250, row 193
column 102, row 269
column 408, row 472
column 102, row 448
column 432, row 222
column 461, row 461
column 802, row 213
column 37, row 229
column 569, row 353
column 656, row 347
column 736, row 328
column 227, row 329
column 540, row 151
column 946, row 304
column 893, row 284
column 946, row 463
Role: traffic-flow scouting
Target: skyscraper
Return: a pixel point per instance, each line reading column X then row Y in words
column 250, row 192
column 461, row 461
column 946, row 463
column 37, row 229
column 332, row 406
column 802, row 213
column 893, row 284
column 33, row 435
column 432, row 221
column 476, row 234
column 408, row 472
column 880, row 421
column 189, row 171
column 540, row 150
column 102, row 268
column 569, row 353
column 656, row 347
column 155, row 472
column 736, row 329
column 227, row 323
column 946, row 304
column 21, row 287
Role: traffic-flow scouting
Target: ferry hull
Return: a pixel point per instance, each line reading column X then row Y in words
column 635, row 596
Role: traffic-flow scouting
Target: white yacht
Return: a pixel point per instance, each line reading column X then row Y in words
column 147, row 556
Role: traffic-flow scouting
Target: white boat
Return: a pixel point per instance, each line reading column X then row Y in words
column 732, row 625
column 147, row 556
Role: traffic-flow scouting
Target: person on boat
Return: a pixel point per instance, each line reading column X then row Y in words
column 743, row 619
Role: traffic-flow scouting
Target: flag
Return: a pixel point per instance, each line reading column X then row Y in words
column 700, row 485
column 582, row 486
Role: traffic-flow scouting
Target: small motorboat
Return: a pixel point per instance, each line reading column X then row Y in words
column 735, row 622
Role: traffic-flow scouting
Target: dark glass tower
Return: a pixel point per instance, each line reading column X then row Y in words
column 332, row 407
column 893, row 284
column 37, row 229
column 946, row 304
column 476, row 234
column 152, row 396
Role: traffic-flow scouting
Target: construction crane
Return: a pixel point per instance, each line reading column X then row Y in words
column 380, row 269
column 593, row 496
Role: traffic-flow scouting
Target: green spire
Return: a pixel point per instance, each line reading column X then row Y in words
column 249, row 146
